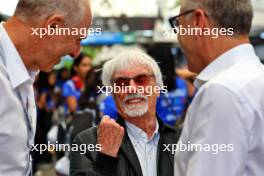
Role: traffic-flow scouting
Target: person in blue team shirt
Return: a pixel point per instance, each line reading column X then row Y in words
column 72, row 89
column 171, row 106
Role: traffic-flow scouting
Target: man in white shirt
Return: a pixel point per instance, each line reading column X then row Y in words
column 223, row 133
column 22, row 54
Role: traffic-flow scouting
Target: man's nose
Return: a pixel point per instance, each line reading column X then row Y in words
column 132, row 87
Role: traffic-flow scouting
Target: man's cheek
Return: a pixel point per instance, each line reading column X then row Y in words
column 119, row 99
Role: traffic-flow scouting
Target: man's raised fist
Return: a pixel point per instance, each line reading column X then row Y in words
column 110, row 136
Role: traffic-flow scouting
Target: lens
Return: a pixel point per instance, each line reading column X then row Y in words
column 142, row 80
column 122, row 82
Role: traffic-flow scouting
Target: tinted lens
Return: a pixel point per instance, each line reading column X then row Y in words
column 122, row 82
column 142, row 80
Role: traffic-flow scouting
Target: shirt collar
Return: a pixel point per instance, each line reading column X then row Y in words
column 223, row 62
column 16, row 69
column 138, row 133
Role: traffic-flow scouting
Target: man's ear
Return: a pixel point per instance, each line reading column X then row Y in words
column 201, row 19
column 54, row 21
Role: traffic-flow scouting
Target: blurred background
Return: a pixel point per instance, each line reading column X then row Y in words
column 67, row 98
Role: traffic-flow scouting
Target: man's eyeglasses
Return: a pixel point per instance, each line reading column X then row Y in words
column 140, row 80
column 174, row 22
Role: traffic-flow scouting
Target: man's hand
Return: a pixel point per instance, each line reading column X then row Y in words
column 110, row 136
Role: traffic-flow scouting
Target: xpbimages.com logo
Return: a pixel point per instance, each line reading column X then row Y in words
column 55, row 30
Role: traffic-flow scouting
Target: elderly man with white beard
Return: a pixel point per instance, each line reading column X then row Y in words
column 134, row 144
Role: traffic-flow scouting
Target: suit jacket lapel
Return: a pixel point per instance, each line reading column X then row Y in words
column 169, row 153
column 129, row 152
column 165, row 158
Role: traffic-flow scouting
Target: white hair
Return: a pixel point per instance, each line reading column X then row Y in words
column 128, row 59
column 72, row 10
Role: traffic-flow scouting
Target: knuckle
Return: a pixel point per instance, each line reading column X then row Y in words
column 105, row 118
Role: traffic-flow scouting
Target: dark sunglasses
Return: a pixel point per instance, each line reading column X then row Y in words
column 140, row 80
column 174, row 22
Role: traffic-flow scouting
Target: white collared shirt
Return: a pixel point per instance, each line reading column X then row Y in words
column 227, row 115
column 146, row 149
column 14, row 78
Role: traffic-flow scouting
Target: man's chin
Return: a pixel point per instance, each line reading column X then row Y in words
column 136, row 112
column 47, row 69
column 50, row 67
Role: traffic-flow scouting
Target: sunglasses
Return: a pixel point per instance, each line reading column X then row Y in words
column 174, row 22
column 140, row 80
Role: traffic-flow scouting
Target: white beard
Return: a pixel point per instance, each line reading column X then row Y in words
column 135, row 110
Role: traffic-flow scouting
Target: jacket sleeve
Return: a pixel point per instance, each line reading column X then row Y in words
column 88, row 164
